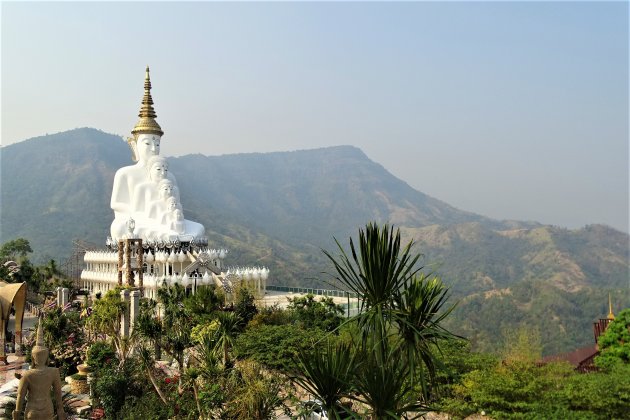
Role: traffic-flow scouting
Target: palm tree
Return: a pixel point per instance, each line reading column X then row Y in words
column 228, row 328
column 382, row 382
column 255, row 395
column 399, row 317
column 176, row 325
column 327, row 373
column 147, row 363
column 420, row 312
column 204, row 302
column 148, row 327
column 377, row 272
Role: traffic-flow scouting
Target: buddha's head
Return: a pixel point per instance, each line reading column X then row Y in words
column 147, row 132
column 39, row 353
column 172, row 204
column 165, row 189
column 144, row 147
column 157, row 167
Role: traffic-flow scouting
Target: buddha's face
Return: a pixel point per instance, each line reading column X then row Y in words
column 171, row 203
column 39, row 356
column 179, row 215
column 166, row 189
column 147, row 145
column 159, row 171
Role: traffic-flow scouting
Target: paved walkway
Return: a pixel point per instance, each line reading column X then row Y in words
column 15, row 365
column 273, row 297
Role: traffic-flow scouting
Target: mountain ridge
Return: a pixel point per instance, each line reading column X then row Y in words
column 280, row 209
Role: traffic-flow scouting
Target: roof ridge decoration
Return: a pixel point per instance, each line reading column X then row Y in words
column 611, row 315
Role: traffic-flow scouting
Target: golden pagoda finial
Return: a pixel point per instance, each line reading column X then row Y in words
column 147, row 123
column 610, row 316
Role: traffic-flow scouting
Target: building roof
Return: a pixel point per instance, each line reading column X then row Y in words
column 576, row 357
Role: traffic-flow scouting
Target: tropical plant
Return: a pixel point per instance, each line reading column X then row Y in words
column 614, row 344
column 245, row 307
column 148, row 326
column 276, row 346
column 377, row 271
column 101, row 355
column 203, row 303
column 147, row 364
column 225, row 334
column 312, row 313
column 383, row 382
column 399, row 319
column 327, row 372
column 105, row 320
column 255, row 393
column 176, row 338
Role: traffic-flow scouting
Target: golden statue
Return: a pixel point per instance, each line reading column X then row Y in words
column 37, row 382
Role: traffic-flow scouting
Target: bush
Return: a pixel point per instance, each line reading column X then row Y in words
column 245, row 308
column 147, row 406
column 274, row 346
column 311, row 313
column 271, row 315
column 113, row 387
column 101, row 355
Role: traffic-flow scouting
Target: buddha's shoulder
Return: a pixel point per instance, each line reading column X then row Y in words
column 128, row 170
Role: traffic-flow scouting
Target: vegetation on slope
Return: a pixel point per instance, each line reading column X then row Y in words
column 280, row 209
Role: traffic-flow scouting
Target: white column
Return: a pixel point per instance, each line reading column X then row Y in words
column 124, row 322
column 134, row 309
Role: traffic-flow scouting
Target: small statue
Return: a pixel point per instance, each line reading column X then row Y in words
column 131, row 225
column 37, row 382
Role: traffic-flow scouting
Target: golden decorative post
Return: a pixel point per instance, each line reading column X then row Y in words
column 140, row 264
column 611, row 316
column 121, row 250
column 129, row 276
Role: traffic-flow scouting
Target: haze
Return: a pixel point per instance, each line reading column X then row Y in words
column 510, row 110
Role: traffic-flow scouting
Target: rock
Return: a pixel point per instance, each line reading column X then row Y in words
column 81, row 410
column 10, row 386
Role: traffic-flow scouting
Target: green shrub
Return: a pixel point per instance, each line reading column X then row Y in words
column 274, row 346
column 101, row 355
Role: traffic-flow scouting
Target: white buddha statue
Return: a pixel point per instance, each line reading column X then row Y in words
column 137, row 192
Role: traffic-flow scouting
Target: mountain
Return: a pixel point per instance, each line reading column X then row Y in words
column 548, row 278
column 281, row 209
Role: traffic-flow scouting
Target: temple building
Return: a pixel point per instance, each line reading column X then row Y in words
column 583, row 359
column 151, row 243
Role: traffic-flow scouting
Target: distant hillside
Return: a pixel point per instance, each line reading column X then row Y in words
column 307, row 196
column 280, row 209
column 552, row 279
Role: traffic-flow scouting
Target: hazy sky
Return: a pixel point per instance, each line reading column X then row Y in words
column 511, row 110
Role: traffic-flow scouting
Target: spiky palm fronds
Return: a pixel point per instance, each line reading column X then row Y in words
column 327, row 373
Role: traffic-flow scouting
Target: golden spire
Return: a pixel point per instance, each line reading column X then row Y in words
column 610, row 316
column 147, row 123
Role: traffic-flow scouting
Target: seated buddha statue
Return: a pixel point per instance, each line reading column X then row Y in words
column 137, row 187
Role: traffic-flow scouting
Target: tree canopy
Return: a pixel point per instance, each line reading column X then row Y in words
column 15, row 248
column 614, row 344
